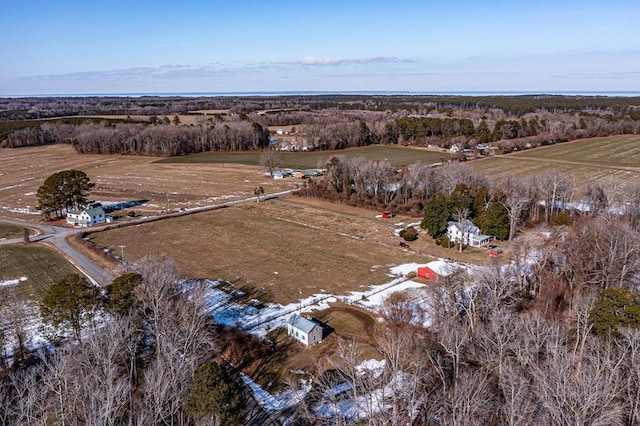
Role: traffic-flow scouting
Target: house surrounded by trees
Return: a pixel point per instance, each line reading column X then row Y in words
column 467, row 233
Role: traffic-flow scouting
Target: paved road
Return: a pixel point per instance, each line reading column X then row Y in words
column 56, row 236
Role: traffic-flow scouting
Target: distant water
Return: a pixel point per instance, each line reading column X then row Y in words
column 311, row 93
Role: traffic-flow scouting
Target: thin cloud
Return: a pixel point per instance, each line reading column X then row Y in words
column 161, row 72
column 214, row 70
column 319, row 61
column 601, row 75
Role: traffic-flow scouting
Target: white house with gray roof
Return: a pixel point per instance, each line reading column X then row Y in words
column 467, row 233
column 304, row 330
column 92, row 215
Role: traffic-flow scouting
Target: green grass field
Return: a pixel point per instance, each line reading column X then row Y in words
column 397, row 155
column 613, row 157
column 41, row 265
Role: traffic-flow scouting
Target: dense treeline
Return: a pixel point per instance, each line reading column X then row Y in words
column 319, row 131
column 144, row 139
column 43, row 107
column 321, row 124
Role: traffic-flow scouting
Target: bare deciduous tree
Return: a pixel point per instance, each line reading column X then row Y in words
column 270, row 160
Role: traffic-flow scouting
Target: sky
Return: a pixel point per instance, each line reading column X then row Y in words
column 116, row 47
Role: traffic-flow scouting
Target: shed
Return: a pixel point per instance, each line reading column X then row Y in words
column 305, row 330
column 494, row 251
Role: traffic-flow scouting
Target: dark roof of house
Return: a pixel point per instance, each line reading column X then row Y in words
column 301, row 324
column 95, row 211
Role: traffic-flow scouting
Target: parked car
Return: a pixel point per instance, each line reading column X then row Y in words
column 404, row 245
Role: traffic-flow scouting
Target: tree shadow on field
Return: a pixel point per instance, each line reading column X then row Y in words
column 251, row 295
column 270, row 370
column 261, row 359
column 123, row 205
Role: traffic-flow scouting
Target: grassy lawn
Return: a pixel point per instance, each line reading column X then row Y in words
column 613, row 157
column 10, row 231
column 41, row 265
column 397, row 155
column 273, row 249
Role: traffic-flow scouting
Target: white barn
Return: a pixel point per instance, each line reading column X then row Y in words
column 304, row 330
column 87, row 217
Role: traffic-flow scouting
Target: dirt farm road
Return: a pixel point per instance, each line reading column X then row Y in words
column 56, row 236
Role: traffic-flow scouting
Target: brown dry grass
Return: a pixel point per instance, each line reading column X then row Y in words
column 277, row 247
column 126, row 178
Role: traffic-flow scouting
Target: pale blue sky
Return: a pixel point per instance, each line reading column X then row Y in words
column 61, row 47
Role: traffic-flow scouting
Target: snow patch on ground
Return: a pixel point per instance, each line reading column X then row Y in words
column 279, row 400
column 25, row 210
column 374, row 301
column 372, row 367
column 405, row 268
column 7, row 283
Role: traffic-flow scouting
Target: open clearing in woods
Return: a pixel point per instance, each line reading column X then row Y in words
column 612, row 157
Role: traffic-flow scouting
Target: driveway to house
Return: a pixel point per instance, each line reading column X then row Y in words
column 56, row 236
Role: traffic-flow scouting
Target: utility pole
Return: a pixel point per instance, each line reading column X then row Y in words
column 300, row 300
column 122, row 253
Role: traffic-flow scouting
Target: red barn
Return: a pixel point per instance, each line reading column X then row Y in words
column 433, row 270
column 427, row 273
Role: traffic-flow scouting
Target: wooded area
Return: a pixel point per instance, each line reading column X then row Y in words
column 323, row 122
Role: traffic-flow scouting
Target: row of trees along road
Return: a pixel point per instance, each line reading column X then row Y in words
column 63, row 191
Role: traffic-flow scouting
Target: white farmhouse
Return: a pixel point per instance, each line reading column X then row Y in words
column 466, row 233
column 87, row 217
column 304, row 330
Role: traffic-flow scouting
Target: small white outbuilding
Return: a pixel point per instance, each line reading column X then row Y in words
column 305, row 330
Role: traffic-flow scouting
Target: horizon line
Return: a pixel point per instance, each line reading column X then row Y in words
column 604, row 93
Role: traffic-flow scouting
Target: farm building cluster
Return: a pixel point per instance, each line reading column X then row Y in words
column 298, row 174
